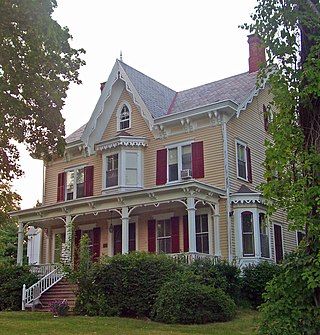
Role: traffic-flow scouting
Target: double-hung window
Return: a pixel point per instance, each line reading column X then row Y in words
column 75, row 183
column 180, row 161
column 202, row 233
column 164, row 236
column 243, row 155
column 112, row 170
column 247, row 234
column 264, row 236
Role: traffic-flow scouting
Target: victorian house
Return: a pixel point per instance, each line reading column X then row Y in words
column 165, row 172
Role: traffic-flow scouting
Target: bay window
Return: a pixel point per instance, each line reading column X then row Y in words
column 264, row 236
column 247, row 234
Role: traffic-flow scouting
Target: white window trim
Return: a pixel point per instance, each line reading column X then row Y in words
column 268, row 232
column 124, row 102
column 177, row 146
column 74, row 169
column 54, row 232
column 122, row 168
column 202, row 211
column 245, row 155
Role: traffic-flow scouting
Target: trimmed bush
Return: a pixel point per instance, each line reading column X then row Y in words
column 184, row 300
column 255, row 279
column 12, row 278
column 124, row 285
column 219, row 274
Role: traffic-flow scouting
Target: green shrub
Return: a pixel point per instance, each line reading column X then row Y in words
column 124, row 285
column 12, row 278
column 220, row 274
column 185, row 300
column 254, row 281
column 290, row 307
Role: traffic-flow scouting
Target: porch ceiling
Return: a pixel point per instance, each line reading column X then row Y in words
column 133, row 199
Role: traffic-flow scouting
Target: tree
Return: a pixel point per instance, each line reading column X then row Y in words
column 290, row 30
column 37, row 64
column 9, row 201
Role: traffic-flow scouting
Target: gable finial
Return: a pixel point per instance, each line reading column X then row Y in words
column 121, row 55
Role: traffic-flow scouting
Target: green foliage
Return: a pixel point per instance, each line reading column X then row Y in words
column 12, row 279
column 219, row 274
column 290, row 30
column 8, row 243
column 185, row 300
column 37, row 64
column 254, row 281
column 125, row 285
column 290, row 308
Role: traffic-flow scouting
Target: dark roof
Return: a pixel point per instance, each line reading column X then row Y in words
column 245, row 189
column 75, row 136
column 157, row 97
column 162, row 100
column 235, row 88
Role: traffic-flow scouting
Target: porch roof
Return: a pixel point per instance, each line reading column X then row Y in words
column 132, row 199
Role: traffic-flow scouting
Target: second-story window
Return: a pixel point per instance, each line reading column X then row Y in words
column 181, row 161
column 112, row 170
column 124, row 117
column 243, row 155
column 75, row 183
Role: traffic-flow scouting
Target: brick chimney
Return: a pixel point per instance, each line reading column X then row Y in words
column 257, row 54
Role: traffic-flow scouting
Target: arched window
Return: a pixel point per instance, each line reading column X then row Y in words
column 124, row 118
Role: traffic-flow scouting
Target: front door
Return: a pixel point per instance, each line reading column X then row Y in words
column 278, row 247
column 117, row 238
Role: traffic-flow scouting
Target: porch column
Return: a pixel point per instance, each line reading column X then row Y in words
column 68, row 242
column 216, row 232
column 48, row 238
column 125, row 230
column 20, row 244
column 192, row 224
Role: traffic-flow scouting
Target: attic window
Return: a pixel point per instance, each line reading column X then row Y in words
column 124, row 118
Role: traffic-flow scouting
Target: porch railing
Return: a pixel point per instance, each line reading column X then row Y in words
column 31, row 295
column 190, row 257
column 42, row 270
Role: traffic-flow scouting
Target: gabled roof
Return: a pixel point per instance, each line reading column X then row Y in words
column 156, row 100
column 157, row 97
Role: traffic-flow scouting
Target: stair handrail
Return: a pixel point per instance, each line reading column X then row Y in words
column 34, row 292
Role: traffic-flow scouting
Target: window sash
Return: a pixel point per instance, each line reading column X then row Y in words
column 164, row 236
column 202, row 233
column 112, row 171
column 247, row 234
column 264, row 237
column 124, row 119
column 242, row 161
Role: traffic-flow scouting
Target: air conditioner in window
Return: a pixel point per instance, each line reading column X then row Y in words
column 186, row 174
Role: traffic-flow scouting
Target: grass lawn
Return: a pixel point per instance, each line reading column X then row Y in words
column 28, row 323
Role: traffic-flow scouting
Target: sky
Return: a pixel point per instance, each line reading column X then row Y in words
column 180, row 43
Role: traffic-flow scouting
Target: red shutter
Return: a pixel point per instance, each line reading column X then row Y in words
column 197, row 160
column 185, row 234
column 96, row 244
column 175, row 234
column 249, row 168
column 161, row 177
column 77, row 245
column 61, row 183
column 152, row 235
column 88, row 181
column 265, row 118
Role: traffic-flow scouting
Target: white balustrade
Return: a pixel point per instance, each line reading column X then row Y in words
column 34, row 292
